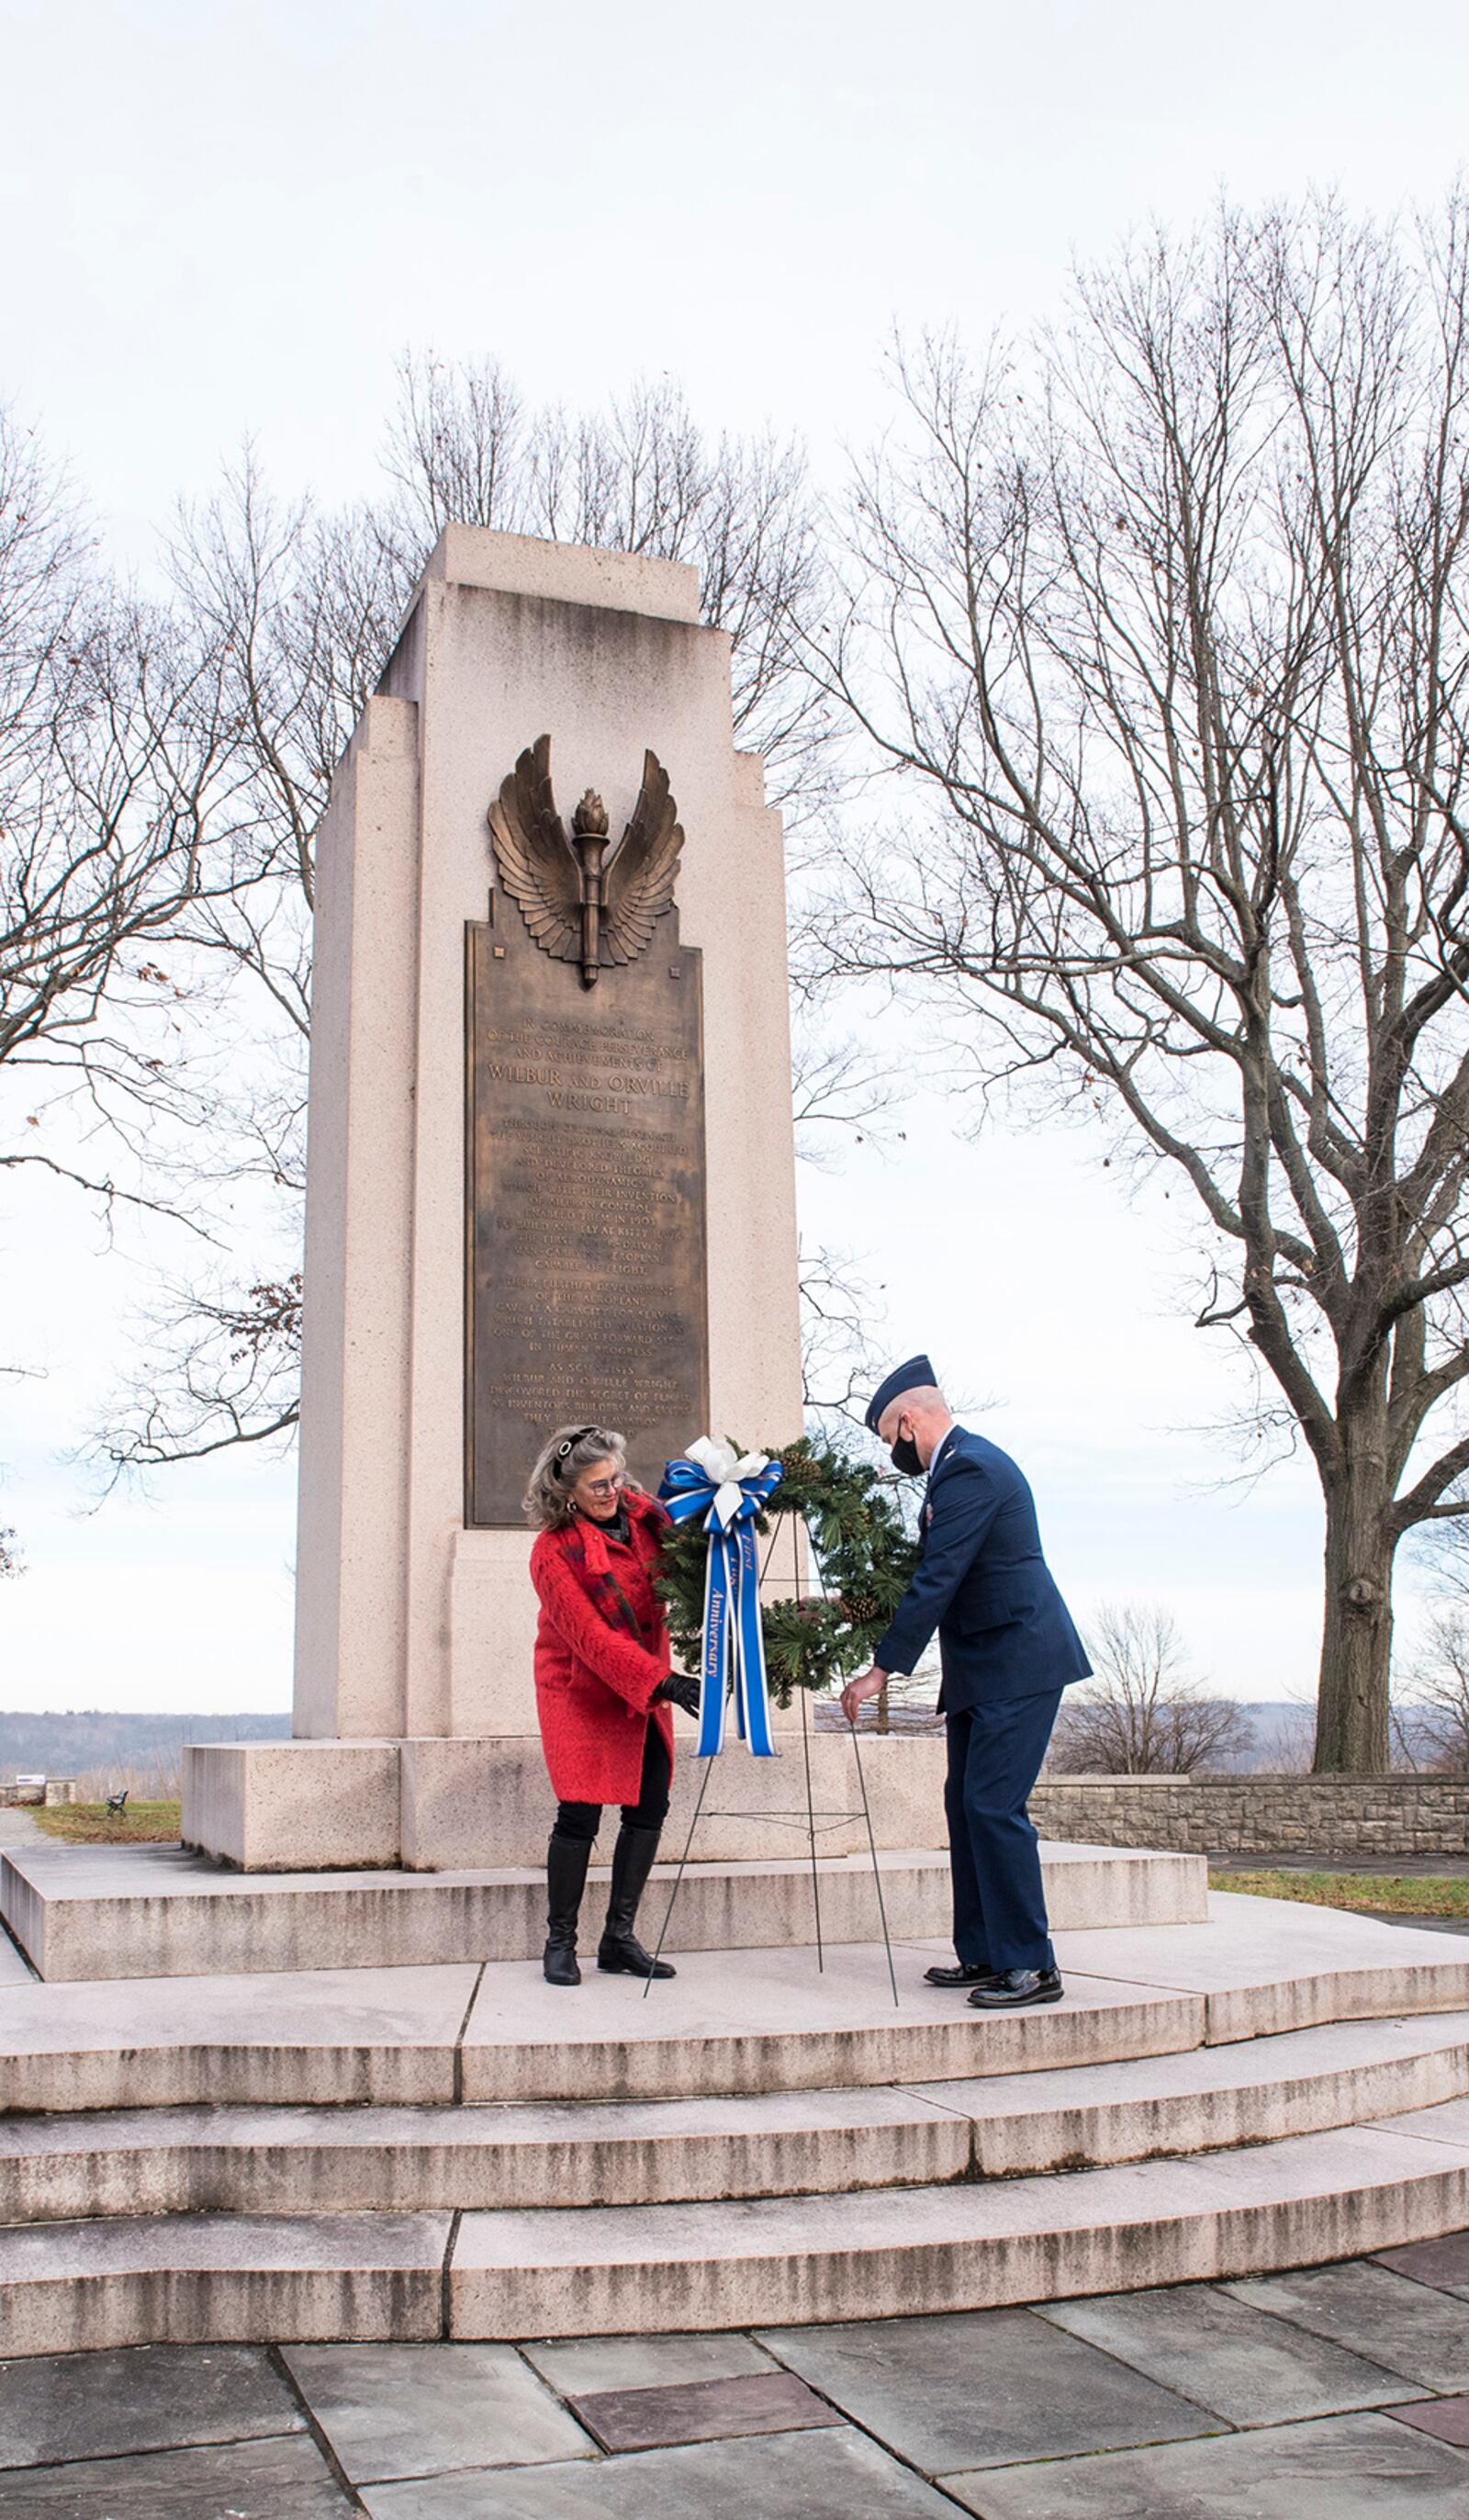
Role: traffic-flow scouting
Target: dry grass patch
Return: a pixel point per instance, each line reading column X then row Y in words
column 145, row 1823
column 1393, row 1894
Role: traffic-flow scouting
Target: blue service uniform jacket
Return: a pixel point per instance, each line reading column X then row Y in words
column 1004, row 1629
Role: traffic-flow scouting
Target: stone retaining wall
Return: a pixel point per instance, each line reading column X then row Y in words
column 1336, row 1816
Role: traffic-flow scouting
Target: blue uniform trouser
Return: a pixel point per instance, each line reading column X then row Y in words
column 994, row 1755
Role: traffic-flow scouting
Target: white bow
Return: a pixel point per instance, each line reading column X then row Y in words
column 725, row 1467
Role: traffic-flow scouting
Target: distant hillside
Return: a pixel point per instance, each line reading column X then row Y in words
column 74, row 1745
column 68, row 1746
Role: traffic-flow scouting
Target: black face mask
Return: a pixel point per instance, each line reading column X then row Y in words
column 904, row 1458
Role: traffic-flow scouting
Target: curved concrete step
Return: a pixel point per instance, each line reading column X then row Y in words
column 780, row 2261
column 222, row 2279
column 1259, row 2091
column 751, row 2021
column 253, row 2161
column 760, row 2021
column 1270, row 1964
column 146, row 1912
column 565, row 2154
column 741, row 2022
column 325, row 2036
column 767, row 2021
column 773, row 2262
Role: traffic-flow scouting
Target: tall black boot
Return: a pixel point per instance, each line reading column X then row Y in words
column 632, row 1863
column 566, row 1861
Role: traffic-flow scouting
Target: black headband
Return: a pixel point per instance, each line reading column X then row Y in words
column 565, row 1450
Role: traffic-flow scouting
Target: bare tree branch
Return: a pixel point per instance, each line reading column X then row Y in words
column 1143, row 1714
column 1158, row 633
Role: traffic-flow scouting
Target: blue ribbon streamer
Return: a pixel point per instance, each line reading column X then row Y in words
column 734, row 1642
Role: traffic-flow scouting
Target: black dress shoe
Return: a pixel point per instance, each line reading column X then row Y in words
column 1011, row 1988
column 980, row 1974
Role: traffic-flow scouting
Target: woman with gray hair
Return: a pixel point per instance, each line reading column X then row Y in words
column 603, row 1685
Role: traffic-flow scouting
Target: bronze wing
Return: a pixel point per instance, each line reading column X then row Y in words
column 641, row 878
column 537, row 866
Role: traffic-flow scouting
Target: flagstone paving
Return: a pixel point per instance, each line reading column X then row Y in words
column 695, row 2411
column 1374, row 2311
column 1358, row 2467
column 285, row 2479
column 978, row 2388
column 1447, row 2418
column 146, row 2398
column 1337, row 2392
column 1241, row 2363
column 393, row 2411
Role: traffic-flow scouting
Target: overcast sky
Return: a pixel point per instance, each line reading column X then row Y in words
column 225, row 219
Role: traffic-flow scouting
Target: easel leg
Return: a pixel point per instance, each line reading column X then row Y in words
column 816, row 1878
column 877, row 1873
column 678, row 1875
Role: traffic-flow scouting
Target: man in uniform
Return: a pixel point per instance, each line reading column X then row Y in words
column 1009, row 1648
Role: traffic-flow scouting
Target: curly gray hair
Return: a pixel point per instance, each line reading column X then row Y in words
column 559, row 1466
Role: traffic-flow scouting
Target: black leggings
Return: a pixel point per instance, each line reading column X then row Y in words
column 651, row 1810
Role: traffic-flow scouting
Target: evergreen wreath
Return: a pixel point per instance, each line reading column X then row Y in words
column 863, row 1559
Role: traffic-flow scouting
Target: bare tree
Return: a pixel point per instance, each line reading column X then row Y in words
column 116, row 825
column 1162, row 630
column 841, row 1089
column 841, row 1094
column 233, row 1374
column 1143, row 1715
column 294, row 610
column 638, row 477
column 1438, row 1680
column 841, row 1315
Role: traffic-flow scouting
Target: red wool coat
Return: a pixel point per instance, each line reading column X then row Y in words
column 595, row 1677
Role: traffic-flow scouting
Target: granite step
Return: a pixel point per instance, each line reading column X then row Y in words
column 327, row 2037
column 1259, row 2091
column 738, row 2023
column 660, row 2268
column 745, row 2021
column 767, row 2022
column 267, row 2161
column 188, row 2279
column 730, row 2023
column 776, row 2262
column 1263, row 1965
column 327, row 2161
column 150, row 1912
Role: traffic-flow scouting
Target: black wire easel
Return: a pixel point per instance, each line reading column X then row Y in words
column 816, row 1824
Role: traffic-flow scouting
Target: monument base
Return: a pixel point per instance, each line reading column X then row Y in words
column 445, row 1805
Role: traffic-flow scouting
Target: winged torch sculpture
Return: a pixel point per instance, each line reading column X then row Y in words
column 580, row 905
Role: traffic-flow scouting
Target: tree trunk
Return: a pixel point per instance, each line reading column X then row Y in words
column 1356, row 1638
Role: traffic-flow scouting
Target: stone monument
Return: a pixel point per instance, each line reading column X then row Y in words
column 550, row 1170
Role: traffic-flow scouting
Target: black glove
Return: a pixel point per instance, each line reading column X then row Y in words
column 680, row 1689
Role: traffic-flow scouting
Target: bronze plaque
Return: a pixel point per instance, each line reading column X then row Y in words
column 587, row 1278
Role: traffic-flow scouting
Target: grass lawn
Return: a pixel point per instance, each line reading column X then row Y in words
column 93, row 1824
column 1388, row 1893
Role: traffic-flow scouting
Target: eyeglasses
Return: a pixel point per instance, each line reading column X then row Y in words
column 604, row 1487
